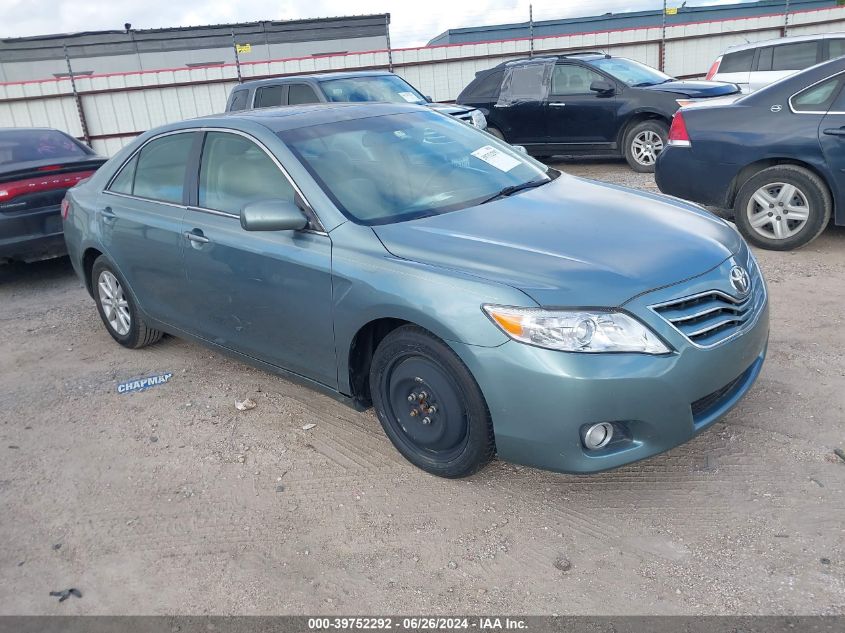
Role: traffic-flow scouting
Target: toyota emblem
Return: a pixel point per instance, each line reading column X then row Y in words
column 740, row 280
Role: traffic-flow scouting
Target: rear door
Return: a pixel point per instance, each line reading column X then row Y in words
column 140, row 223
column 832, row 141
column 266, row 294
column 777, row 62
column 520, row 109
column 575, row 115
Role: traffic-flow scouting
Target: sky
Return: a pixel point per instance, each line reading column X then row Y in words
column 413, row 22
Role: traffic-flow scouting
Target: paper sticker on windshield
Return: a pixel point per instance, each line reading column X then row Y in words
column 494, row 157
column 410, row 97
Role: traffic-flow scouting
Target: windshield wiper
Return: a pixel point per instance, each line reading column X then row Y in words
column 512, row 189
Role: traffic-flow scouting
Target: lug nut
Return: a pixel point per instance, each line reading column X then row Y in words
column 426, row 420
column 412, row 397
column 432, row 410
column 422, row 396
column 413, row 413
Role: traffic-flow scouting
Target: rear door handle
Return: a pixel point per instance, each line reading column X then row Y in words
column 835, row 131
column 108, row 215
column 196, row 236
column 557, row 104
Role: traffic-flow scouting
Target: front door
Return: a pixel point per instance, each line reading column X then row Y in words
column 576, row 116
column 141, row 223
column 266, row 294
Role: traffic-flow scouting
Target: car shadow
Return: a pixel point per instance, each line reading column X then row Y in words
column 48, row 270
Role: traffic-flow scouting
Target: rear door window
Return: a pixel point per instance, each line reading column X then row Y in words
column 738, row 62
column 301, row 93
column 795, row 56
column 160, row 173
column 268, row 96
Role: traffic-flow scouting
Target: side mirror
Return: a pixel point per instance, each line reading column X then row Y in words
column 520, row 148
column 604, row 88
column 272, row 215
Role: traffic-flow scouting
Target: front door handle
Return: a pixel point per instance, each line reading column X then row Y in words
column 557, row 104
column 835, row 131
column 196, row 236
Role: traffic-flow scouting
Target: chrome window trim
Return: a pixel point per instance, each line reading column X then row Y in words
column 131, row 197
column 805, row 88
column 320, row 228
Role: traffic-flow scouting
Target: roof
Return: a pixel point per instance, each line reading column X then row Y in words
column 291, row 117
column 314, row 77
column 624, row 20
column 785, row 40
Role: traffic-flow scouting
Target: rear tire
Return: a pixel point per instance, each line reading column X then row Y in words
column 643, row 143
column 496, row 132
column 429, row 404
column 117, row 307
column 782, row 207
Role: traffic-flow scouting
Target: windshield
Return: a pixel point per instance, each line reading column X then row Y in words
column 388, row 88
column 390, row 168
column 631, row 72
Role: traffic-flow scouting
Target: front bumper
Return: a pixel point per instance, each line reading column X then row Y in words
column 541, row 400
column 32, row 235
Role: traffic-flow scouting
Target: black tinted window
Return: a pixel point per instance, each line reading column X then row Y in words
column 816, row 98
column 795, row 56
column 739, row 62
column 484, row 88
column 235, row 172
column 765, row 60
column 126, row 177
column 160, row 173
column 268, row 96
column 22, row 146
column 239, row 100
column 301, row 93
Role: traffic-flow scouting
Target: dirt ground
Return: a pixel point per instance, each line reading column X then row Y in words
column 171, row 501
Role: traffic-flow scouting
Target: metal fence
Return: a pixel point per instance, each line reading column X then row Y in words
column 109, row 110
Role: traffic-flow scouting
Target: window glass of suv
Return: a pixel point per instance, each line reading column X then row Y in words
column 795, row 56
column 238, row 100
column 816, row 98
column 484, row 89
column 268, row 96
column 235, row 171
column 568, row 79
column 836, row 48
column 738, row 62
column 160, row 173
column 301, row 93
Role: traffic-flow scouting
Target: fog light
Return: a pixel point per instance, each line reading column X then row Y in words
column 598, row 435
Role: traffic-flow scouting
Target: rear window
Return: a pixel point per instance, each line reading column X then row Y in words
column 738, row 62
column 268, row 96
column 485, row 88
column 794, row 56
column 301, row 93
column 816, row 98
column 24, row 146
column 239, row 100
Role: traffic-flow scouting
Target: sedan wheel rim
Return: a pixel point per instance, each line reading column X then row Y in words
column 424, row 408
column 778, row 211
column 114, row 303
column 646, row 146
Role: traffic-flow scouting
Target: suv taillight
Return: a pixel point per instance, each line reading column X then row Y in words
column 714, row 68
column 678, row 134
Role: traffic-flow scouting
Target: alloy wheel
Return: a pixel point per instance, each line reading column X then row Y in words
column 114, row 303
column 778, row 210
column 646, row 146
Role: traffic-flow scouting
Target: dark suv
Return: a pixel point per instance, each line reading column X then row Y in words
column 378, row 85
column 584, row 103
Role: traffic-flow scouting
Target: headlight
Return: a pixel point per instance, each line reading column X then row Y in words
column 577, row 330
column 478, row 119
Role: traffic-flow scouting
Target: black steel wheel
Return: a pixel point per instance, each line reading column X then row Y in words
column 429, row 404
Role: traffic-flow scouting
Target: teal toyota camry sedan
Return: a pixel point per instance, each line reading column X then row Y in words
column 394, row 257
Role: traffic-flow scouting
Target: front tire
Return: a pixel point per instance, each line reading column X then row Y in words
column 782, row 207
column 496, row 132
column 117, row 308
column 429, row 404
column 643, row 143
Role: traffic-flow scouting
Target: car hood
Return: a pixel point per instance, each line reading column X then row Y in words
column 449, row 108
column 696, row 89
column 572, row 242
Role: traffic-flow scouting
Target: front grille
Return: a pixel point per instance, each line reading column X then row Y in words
column 710, row 318
column 711, row 400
